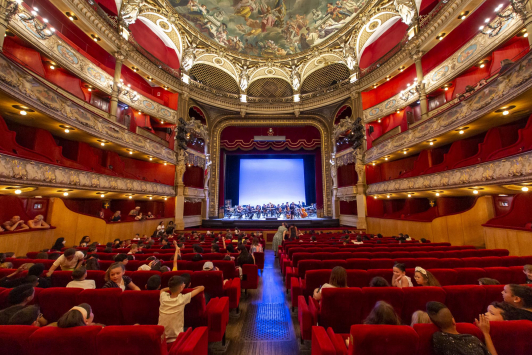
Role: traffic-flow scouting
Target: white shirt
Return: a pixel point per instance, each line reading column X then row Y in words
column 69, row 264
column 160, row 228
column 85, row 284
column 172, row 314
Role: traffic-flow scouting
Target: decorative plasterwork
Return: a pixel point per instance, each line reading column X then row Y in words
column 486, row 100
column 269, row 71
column 515, row 169
column 280, row 120
column 194, row 160
column 474, row 50
column 15, row 170
column 164, row 28
column 69, row 57
column 31, row 92
column 213, row 59
column 345, row 159
column 347, row 193
column 318, row 61
column 373, row 25
column 193, row 193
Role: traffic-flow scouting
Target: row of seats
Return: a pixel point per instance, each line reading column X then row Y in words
column 90, row 340
column 509, row 338
column 342, row 307
column 212, row 280
column 447, row 277
column 114, row 307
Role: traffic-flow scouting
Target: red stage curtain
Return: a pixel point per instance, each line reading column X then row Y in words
column 347, row 175
column 348, row 208
column 193, row 177
column 192, row 209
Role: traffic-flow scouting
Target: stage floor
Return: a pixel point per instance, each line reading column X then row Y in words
column 271, row 223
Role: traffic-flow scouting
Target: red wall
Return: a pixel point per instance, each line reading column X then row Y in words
column 192, row 209
column 347, row 175
column 348, row 208
column 193, row 177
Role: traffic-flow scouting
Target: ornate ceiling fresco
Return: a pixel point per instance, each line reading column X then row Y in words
column 268, row 28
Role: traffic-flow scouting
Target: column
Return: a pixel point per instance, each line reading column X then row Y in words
column 528, row 22
column 183, row 105
column 119, row 57
column 361, row 194
column 334, row 178
column 3, row 22
column 416, row 56
column 180, row 189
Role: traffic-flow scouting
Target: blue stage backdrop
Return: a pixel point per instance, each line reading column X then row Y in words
column 259, row 179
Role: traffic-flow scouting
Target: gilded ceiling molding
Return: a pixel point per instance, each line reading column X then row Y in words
column 499, row 91
column 14, row 170
column 214, row 60
column 29, row 91
column 280, row 120
column 269, row 70
column 164, row 28
column 69, row 57
column 318, row 61
column 469, row 54
column 514, row 169
column 374, row 24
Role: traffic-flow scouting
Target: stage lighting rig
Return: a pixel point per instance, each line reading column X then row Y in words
column 356, row 135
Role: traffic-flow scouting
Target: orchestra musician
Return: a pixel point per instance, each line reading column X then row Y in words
column 257, row 211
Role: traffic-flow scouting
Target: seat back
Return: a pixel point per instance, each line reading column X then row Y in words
column 469, row 275
column 143, row 340
column 212, row 280
column 391, row 295
column 105, row 304
column 416, row 298
column 140, row 307
column 227, row 267
column 305, row 265
column 140, row 278
column 340, row 318
column 54, row 340
column 259, row 260
column 383, row 339
column 195, row 311
column 14, row 339
column 167, row 275
column 445, row 276
column 511, row 337
column 502, row 274
column 357, row 278
column 465, row 302
column 56, row 301
column 316, row 278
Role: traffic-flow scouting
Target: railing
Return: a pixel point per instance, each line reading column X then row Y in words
column 147, row 134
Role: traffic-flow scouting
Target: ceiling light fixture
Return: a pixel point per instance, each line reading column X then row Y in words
column 463, row 15
column 65, row 193
column 437, row 194
column 95, row 38
column 374, row 197
column 18, row 192
column 23, row 113
column 71, row 16
column 409, row 195
column 102, row 195
column 524, row 189
column 387, row 196
column 130, row 197
column 505, row 112
column 475, row 192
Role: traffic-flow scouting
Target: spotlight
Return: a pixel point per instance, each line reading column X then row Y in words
column 524, row 188
column 481, row 28
column 67, row 130
column 130, row 152
column 102, row 144
column 437, row 194
column 386, row 158
column 431, row 143
column 487, row 20
column 102, row 195
column 65, row 193
column 23, row 113
column 150, row 197
column 151, row 158
column 446, row 89
column 461, row 132
column 130, row 197
column 164, row 163
column 475, row 192
column 52, row 67
column 373, row 164
column 387, row 196
column 404, row 152
column 374, row 197
column 505, row 113
column 482, row 65
column 166, row 198
column 18, row 192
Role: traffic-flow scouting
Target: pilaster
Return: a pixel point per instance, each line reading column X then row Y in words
column 416, row 56
column 119, row 57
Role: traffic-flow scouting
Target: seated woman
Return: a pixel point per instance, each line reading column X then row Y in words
column 518, row 296
column 77, row 316
column 58, row 245
column 116, row 217
column 383, row 313
column 338, row 278
column 160, row 227
column 425, row 278
column 86, row 239
column 38, row 223
column 420, row 317
column 256, row 247
column 378, row 281
column 243, row 258
column 140, row 217
column 501, row 311
column 399, row 278
column 115, row 278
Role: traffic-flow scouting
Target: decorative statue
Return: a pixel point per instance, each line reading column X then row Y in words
column 131, row 8
column 296, row 79
column 189, row 57
column 244, row 79
column 406, row 10
column 350, row 57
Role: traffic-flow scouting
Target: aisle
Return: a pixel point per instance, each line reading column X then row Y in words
column 265, row 326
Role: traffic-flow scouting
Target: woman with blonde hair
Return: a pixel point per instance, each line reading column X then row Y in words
column 425, row 278
column 420, row 317
column 338, row 279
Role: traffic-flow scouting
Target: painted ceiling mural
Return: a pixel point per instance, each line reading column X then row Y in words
column 268, row 28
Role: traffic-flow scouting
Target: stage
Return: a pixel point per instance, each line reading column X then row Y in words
column 270, row 223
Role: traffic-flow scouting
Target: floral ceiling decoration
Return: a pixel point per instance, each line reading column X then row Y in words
column 268, row 28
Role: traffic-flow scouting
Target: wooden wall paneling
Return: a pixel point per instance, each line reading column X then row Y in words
column 22, row 242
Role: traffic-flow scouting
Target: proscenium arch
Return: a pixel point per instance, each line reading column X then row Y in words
column 260, row 121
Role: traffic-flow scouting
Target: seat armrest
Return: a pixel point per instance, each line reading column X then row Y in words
column 295, row 291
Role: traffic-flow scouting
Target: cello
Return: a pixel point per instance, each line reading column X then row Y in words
column 304, row 213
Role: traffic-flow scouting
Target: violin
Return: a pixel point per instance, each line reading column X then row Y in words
column 303, row 213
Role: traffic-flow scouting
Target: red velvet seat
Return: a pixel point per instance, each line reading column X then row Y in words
column 415, row 298
column 165, row 277
column 380, row 264
column 427, row 263
column 4, row 294
column 469, row 275
column 502, row 274
column 56, row 301
column 445, row 276
column 340, row 318
column 386, row 273
column 191, row 342
column 259, row 260
column 97, row 276
column 105, row 304
column 425, row 332
column 361, row 263
column 511, row 337
column 321, row 342
column 140, row 278
column 212, row 280
column 391, row 295
column 304, row 265
column 450, row 263
column 61, row 278
column 141, row 340
column 465, row 302
column 140, row 307
column 227, row 267
column 330, row 264
column 54, row 340
column 357, row 278
column 383, row 339
column 314, row 279
column 251, row 280
column 14, row 339
column 493, row 294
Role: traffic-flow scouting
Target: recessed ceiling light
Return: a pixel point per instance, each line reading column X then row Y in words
column 23, row 113
column 18, row 192
column 437, row 194
column 409, row 195
column 130, row 197
column 475, row 192
column 65, row 193
column 505, row 112
column 387, row 196
column 150, row 197
column 374, row 197
column 524, row 188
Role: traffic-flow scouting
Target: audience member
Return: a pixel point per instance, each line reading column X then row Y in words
column 135, row 211
column 197, row 257
column 69, row 261
column 256, row 247
column 140, row 217
column 383, row 313
column 76, row 317
column 150, row 216
column 79, row 280
column 527, row 270
column 122, row 258
column 154, row 283
column 338, row 278
column 42, row 255
column 425, row 278
column 485, row 281
column 420, row 317
column 15, row 224
column 29, row 315
column 53, row 256
column 92, row 263
column 449, row 342
column 115, row 278
column 501, row 311
column 58, row 245
column 399, row 278
column 38, row 222
column 244, row 257
column 518, row 296
column 33, row 277
column 170, row 228
column 18, row 298
column 172, row 307
column 215, row 248
column 116, row 217
column 134, row 249
column 165, row 244
column 378, row 281
column 147, row 267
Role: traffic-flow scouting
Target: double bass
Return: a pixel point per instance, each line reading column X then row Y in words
column 304, row 213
